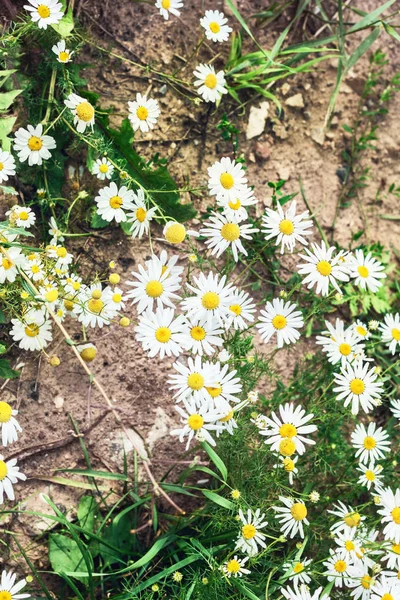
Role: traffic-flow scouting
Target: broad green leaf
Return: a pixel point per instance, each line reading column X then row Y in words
column 97, row 222
column 86, row 512
column 6, row 372
column 66, row 25
column 14, row 230
column 7, row 98
column 224, row 502
column 218, row 462
column 6, row 126
column 65, row 556
column 5, row 74
column 6, row 189
column 96, row 474
column 3, row 348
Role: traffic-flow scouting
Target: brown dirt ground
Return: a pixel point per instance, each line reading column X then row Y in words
column 46, row 396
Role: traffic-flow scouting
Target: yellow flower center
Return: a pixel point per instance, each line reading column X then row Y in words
column 163, row 335
column 235, row 204
column 210, row 300
column 357, row 386
column 4, row 595
column 63, row 56
column 117, row 298
column 88, row 354
column 298, row 511
column 340, row 566
column 370, row 475
column 198, row 333
column 288, row 464
column 363, row 271
column 279, row 322
column 195, row 381
column 69, row 304
column 51, row 295
column 166, row 4
column 85, row 111
column 61, row 252
column 103, row 168
column 96, row 294
column 195, row 422
column 396, row 515
column 5, row 412
column 210, row 81
column 142, row 113
column 287, row 447
column 175, row 234
column 141, row 214
column 287, row 430
column 95, row 305
column 1, row 166
column 215, row 28
column 236, row 309
column 361, row 330
column 76, row 286
column 3, row 470
column 387, row 597
column 349, row 545
column 32, row 330
column 230, row 232
column 396, row 548
column 154, row 289
column 227, row 181
column 345, row 349
column 366, row 582
column 233, row 566
column 6, row 264
column 116, row 202
column 396, row 334
column 227, row 417
column 214, row 391
column 324, row 268
column 352, row 519
column 35, row 143
column 44, row 11
column 298, row 568
column 369, row 443
column 286, row 227
column 248, row 531
column 23, row 215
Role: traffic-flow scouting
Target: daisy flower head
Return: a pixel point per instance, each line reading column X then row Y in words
column 32, row 331
column 390, row 511
column 9, row 475
column 168, row 264
column 228, row 422
column 356, row 384
column 45, row 12
column 211, row 298
column 143, row 113
column 140, row 216
column 288, row 464
column 349, row 518
column 61, row 255
column 113, row 202
column 241, row 311
column 210, row 84
column 32, row 145
column 21, row 216
column 197, row 422
column 192, row 381
column 287, row 227
column 91, row 308
column 395, row 408
column 303, row 593
column 114, row 299
column 360, row 582
column 200, row 337
column 349, row 546
column 175, row 232
column 10, row 589
column 236, row 209
column 8, row 424
column 103, row 169
column 250, row 536
column 366, row 271
column 226, row 180
column 215, row 26
column 297, row 570
column 227, row 386
column 55, row 232
column 287, row 432
column 391, row 331
column 7, row 165
column 292, row 517
column 337, row 570
column 234, row 567
column 322, row 268
column 361, row 330
column 82, row 111
column 223, row 233
column 62, row 53
column 386, row 588
column 371, row 476
column 339, row 344
column 371, row 443
column 280, row 318
column 34, row 270
column 392, row 555
column 159, row 332
column 169, row 6
column 154, row 286
column 10, row 260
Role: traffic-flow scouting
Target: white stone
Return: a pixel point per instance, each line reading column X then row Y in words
column 257, row 118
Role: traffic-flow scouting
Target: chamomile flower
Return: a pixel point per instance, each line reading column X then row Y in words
column 10, row 589
column 288, row 430
column 251, row 537
column 390, row 511
column 55, row 232
column 223, row 233
column 8, row 424
column 227, row 386
column 32, row 331
column 197, row 422
column 236, row 209
column 91, row 308
column 339, row 344
column 7, row 165
column 349, row 518
column 228, row 420
column 211, row 298
column 241, row 311
column 226, row 180
column 45, row 12
column 360, row 582
column 114, row 299
column 297, row 570
column 200, row 337
column 140, row 216
column 21, row 216
column 175, row 232
column 361, row 330
column 61, row 255
column 280, row 318
column 113, row 202
column 215, row 26
column 192, row 380
column 10, row 260
column 357, row 385
column 323, row 267
column 395, row 408
column 168, row 264
column 234, row 567
column 349, row 546
column 82, row 111
column 158, row 332
column 366, row 271
column 392, row 555
column 153, row 287
column 32, row 145
column 72, row 283
column 391, row 331
column 62, row 53
column 288, row 464
column 337, row 570
column 303, row 593
column 386, row 588
column 292, row 517
column 103, row 169
column 143, row 113
column 371, row 476
column 287, row 227
column 371, row 443
column 210, row 84
column 169, row 6
column 9, row 475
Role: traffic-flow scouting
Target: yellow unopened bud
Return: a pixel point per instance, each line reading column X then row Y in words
column 124, row 322
column 88, row 352
column 24, row 295
column 114, row 278
column 111, row 264
column 54, row 361
column 51, row 296
column 96, row 294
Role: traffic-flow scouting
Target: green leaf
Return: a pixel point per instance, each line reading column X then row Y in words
column 96, row 474
column 86, row 512
column 7, row 189
column 218, row 462
column 97, row 222
column 6, row 372
column 6, row 126
column 363, row 47
column 65, row 556
column 3, row 348
column 126, row 227
column 371, row 18
column 7, row 98
column 224, row 502
column 66, row 25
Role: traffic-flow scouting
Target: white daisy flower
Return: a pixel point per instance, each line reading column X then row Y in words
column 296, row 570
column 82, row 111
column 169, row 6
column 250, row 537
column 9, row 475
column 234, row 567
column 395, row 408
column 113, row 202
column 392, row 555
column 226, row 180
column 91, row 308
column 386, row 588
column 282, row 318
column 9, row 264
column 289, row 430
column 393, row 576
column 289, row 465
column 211, row 85
column 32, row 145
column 371, row 443
column 303, row 593
column 61, row 255
column 292, row 516
column 223, row 233
column 21, row 216
column 366, row 271
column 390, row 511
column 236, row 209
column 114, row 299
column 228, row 421
column 241, row 311
column 7, row 165
column 168, row 264
column 197, row 422
column 34, row 270
column 360, row 582
column 158, row 332
column 103, row 169
column 391, row 331
column 371, row 476
column 200, row 337
column 140, row 215
column 339, row 344
column 356, row 384
column 154, row 286
column 55, row 232
column 10, row 589
column 45, row 12
column 349, row 518
column 287, row 227
column 227, row 387
column 361, row 330
column 143, row 113
column 32, row 331
column 323, row 268
column 72, row 283
column 349, row 546
column 215, row 25
column 8, row 424
column 337, row 570
column 191, row 381
column 62, row 53
column 211, row 300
